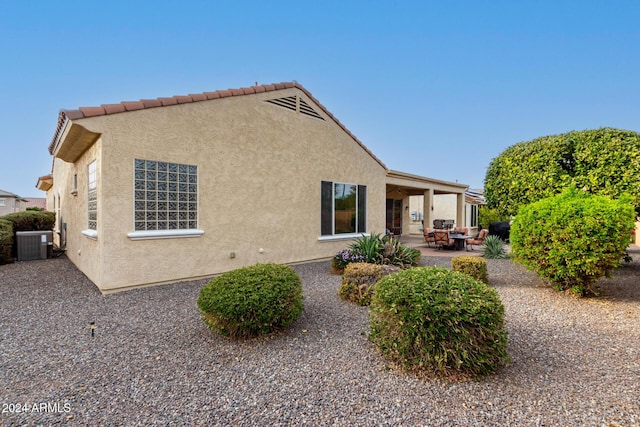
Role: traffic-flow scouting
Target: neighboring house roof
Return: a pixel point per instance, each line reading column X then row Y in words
column 85, row 112
column 10, row 195
column 36, row 202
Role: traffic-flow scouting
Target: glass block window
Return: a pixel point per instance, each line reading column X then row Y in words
column 92, row 197
column 165, row 195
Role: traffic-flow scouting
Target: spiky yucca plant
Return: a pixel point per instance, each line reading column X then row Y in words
column 493, row 248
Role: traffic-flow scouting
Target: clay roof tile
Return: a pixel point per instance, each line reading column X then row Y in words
column 198, row 97
column 168, row 101
column 151, row 103
column 92, row 111
column 183, row 99
column 212, row 95
column 113, row 108
column 133, row 105
column 72, row 114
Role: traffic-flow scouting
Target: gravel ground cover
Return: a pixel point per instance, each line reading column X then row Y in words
column 152, row 361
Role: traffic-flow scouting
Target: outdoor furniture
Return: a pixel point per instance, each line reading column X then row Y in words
column 459, row 240
column 478, row 240
column 438, row 224
column 442, row 239
column 428, row 236
column 500, row 229
column 463, row 230
column 448, row 224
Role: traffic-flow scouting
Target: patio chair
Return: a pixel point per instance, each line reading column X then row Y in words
column 463, row 230
column 478, row 240
column 442, row 240
column 428, row 236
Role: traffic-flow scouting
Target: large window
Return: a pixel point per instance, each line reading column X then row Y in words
column 92, row 197
column 474, row 216
column 166, row 196
column 344, row 208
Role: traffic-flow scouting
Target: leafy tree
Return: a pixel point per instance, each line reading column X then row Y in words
column 487, row 216
column 574, row 238
column 604, row 161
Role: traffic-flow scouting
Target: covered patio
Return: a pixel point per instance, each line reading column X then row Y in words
column 401, row 186
column 417, row 242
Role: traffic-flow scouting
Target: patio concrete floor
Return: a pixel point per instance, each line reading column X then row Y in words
column 417, row 241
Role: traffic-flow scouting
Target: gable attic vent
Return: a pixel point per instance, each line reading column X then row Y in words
column 291, row 103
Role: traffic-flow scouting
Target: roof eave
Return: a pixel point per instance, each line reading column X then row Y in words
column 72, row 141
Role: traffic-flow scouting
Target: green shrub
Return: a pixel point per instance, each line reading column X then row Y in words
column 601, row 161
column 473, row 266
column 377, row 249
column 6, row 242
column 251, row 301
column 487, row 216
column 369, row 248
column 439, row 323
column 344, row 258
column 31, row 220
column 573, row 239
column 395, row 253
column 358, row 282
column 493, row 248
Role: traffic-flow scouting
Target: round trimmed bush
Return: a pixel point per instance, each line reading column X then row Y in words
column 439, row 323
column 472, row 266
column 358, row 282
column 574, row 238
column 252, row 300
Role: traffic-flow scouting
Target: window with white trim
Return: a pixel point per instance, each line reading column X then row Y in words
column 474, row 216
column 343, row 208
column 92, row 196
column 165, row 196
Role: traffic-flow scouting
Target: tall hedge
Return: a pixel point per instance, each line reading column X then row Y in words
column 603, row 161
column 31, row 220
column 6, row 242
column 574, row 238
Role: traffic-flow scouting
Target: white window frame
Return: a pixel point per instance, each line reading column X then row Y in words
column 165, row 204
column 92, row 201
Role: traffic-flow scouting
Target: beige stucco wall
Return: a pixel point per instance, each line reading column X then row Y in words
column 7, row 206
column 444, row 207
column 11, row 204
column 260, row 168
column 72, row 212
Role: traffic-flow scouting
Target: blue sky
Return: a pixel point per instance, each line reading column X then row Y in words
column 412, row 79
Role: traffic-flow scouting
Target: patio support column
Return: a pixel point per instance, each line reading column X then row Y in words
column 460, row 210
column 427, row 206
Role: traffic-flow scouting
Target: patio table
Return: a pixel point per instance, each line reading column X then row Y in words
column 460, row 239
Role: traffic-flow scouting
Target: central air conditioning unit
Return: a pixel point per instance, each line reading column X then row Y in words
column 32, row 245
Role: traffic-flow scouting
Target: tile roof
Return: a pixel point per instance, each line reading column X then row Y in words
column 123, row 107
column 36, row 202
